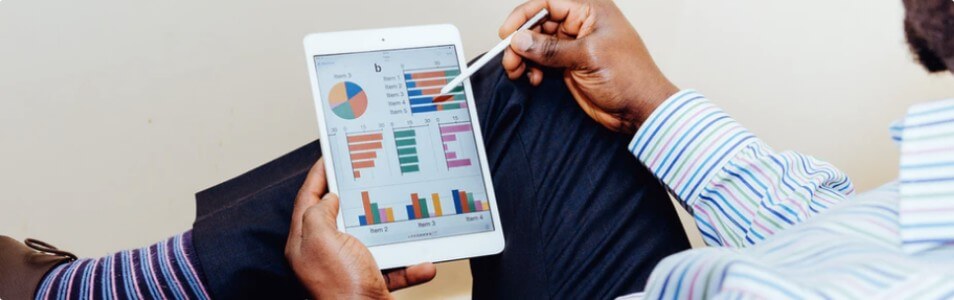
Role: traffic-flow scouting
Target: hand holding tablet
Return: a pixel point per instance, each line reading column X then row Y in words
column 327, row 261
column 407, row 161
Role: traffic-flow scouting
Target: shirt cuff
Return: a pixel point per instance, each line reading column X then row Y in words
column 686, row 141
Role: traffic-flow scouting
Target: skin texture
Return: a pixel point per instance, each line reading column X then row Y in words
column 332, row 264
column 605, row 64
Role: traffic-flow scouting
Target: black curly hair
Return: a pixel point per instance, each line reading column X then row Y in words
column 929, row 29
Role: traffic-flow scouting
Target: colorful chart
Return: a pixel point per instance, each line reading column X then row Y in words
column 406, row 142
column 363, row 149
column 420, row 207
column 449, row 133
column 424, row 90
column 348, row 100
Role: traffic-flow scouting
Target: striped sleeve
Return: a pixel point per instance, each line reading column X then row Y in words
column 165, row 270
column 738, row 189
column 927, row 171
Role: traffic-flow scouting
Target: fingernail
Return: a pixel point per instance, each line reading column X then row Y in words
column 522, row 40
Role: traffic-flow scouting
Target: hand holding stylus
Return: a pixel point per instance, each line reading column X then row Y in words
column 496, row 50
column 606, row 66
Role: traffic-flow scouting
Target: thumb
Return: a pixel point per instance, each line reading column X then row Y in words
column 410, row 276
column 323, row 215
column 548, row 50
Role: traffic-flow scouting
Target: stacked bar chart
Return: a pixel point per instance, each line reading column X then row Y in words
column 424, row 90
column 406, row 142
column 363, row 149
column 449, row 136
column 421, row 207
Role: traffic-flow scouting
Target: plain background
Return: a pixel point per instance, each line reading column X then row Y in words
column 113, row 113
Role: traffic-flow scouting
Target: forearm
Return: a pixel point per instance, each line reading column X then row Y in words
column 164, row 270
column 739, row 190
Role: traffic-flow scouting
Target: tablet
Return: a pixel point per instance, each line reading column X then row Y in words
column 407, row 162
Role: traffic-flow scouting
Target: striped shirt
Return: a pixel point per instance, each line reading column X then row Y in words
column 166, row 270
column 787, row 225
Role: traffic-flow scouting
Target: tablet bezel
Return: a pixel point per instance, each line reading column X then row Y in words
column 412, row 252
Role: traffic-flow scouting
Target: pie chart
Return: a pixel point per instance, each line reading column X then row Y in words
column 348, row 100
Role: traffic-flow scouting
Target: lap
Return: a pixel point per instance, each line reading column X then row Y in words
column 581, row 217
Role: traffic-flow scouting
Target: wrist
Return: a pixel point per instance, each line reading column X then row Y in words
column 648, row 99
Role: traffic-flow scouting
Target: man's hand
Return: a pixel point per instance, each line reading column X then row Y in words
column 335, row 265
column 607, row 68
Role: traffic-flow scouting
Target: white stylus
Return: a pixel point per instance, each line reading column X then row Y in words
column 496, row 50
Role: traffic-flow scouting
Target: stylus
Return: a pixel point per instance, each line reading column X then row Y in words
column 496, row 50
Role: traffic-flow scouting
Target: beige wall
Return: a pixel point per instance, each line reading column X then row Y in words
column 113, row 113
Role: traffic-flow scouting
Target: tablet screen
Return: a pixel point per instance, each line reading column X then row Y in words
column 405, row 156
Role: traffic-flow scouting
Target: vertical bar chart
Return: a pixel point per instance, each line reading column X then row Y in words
column 437, row 205
column 366, row 200
column 416, row 204
column 363, row 149
column 472, row 202
column 373, row 214
column 449, row 136
column 465, row 202
column 420, row 207
column 424, row 90
column 406, row 142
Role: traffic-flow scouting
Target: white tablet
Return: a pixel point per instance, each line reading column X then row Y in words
column 407, row 162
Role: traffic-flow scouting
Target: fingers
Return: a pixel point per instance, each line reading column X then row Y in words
column 548, row 50
column 321, row 219
column 564, row 22
column 308, row 195
column 410, row 276
column 559, row 11
column 519, row 16
column 550, row 27
column 515, row 67
column 513, row 64
column 316, row 183
column 575, row 19
column 535, row 75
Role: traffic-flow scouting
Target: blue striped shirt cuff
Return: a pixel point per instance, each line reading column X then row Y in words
column 686, row 141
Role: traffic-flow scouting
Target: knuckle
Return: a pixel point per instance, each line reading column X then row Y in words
column 550, row 48
column 590, row 55
column 311, row 213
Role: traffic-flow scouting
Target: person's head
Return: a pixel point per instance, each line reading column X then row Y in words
column 929, row 29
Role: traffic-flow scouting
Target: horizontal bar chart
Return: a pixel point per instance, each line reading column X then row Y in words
column 405, row 141
column 424, row 90
column 449, row 136
column 363, row 150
